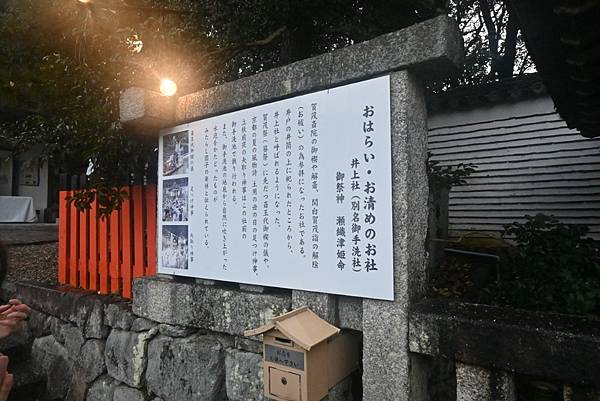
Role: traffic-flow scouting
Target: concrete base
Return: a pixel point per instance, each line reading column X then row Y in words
column 474, row 383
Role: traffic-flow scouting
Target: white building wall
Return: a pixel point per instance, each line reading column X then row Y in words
column 39, row 193
column 528, row 162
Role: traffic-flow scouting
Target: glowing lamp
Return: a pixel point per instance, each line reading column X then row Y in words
column 168, row 87
column 85, row 1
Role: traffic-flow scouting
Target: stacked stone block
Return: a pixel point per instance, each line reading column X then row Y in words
column 88, row 347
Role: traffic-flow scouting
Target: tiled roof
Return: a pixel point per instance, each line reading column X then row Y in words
column 563, row 39
column 506, row 90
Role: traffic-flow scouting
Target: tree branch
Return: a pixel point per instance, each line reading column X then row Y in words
column 500, row 21
column 235, row 49
column 142, row 9
column 486, row 14
column 510, row 48
column 525, row 65
column 151, row 10
column 20, row 112
column 474, row 39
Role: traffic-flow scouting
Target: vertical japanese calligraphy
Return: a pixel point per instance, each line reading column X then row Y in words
column 295, row 194
column 265, row 190
column 314, row 178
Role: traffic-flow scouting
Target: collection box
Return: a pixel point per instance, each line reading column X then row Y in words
column 304, row 356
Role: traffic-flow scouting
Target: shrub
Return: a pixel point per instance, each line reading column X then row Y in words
column 448, row 176
column 555, row 268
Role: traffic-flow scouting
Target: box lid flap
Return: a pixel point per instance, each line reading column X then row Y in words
column 301, row 325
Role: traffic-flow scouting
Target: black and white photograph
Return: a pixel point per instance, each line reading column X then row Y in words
column 175, row 200
column 176, row 148
column 175, row 247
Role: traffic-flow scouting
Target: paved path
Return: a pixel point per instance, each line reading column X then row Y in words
column 28, row 233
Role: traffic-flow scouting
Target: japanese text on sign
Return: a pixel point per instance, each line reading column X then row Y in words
column 294, row 194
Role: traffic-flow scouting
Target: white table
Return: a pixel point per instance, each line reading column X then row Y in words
column 17, row 209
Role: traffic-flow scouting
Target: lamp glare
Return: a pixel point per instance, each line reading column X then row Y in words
column 168, row 87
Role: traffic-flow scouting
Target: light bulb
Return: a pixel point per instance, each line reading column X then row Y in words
column 168, row 87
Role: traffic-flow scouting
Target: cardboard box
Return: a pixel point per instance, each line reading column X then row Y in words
column 304, row 356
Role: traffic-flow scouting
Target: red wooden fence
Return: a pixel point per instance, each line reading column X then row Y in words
column 106, row 254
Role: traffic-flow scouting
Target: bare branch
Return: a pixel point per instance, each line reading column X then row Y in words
column 500, row 21
column 486, row 14
column 140, row 9
column 510, row 48
column 19, row 112
column 525, row 65
column 475, row 39
column 235, row 49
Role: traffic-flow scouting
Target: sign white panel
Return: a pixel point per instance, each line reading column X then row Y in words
column 294, row 194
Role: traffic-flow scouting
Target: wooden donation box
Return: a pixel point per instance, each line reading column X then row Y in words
column 304, row 356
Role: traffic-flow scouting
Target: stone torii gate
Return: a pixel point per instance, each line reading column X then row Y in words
column 411, row 57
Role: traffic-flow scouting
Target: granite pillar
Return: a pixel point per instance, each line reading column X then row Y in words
column 386, row 356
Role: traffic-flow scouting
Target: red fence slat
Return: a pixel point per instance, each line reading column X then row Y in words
column 93, row 232
column 63, row 236
column 115, row 245
column 151, row 223
column 83, row 248
column 103, row 262
column 126, row 246
column 74, row 245
column 138, row 231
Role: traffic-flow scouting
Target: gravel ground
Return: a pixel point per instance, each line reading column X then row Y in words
column 37, row 263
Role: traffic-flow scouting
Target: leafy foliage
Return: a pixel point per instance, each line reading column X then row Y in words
column 108, row 197
column 494, row 46
column 555, row 268
column 63, row 63
column 311, row 27
column 453, row 278
column 447, row 176
column 63, row 83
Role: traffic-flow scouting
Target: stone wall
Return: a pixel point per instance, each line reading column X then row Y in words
column 187, row 344
column 494, row 353
column 98, row 348
column 89, row 347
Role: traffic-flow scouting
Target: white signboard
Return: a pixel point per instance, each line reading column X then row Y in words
column 293, row 194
